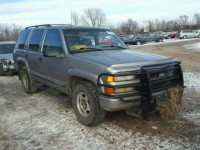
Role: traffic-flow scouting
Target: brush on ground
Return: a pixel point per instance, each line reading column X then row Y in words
column 170, row 109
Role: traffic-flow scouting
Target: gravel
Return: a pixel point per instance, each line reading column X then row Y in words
column 45, row 120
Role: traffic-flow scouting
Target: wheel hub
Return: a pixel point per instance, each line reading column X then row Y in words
column 83, row 104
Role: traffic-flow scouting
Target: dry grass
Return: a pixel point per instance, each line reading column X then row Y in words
column 190, row 58
column 170, row 109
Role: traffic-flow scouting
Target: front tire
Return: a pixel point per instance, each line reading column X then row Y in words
column 86, row 104
column 27, row 82
column 184, row 37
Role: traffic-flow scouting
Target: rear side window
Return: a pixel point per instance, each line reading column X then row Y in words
column 52, row 40
column 22, row 39
column 35, row 40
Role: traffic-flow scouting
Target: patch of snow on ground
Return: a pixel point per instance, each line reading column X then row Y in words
column 195, row 46
column 192, row 81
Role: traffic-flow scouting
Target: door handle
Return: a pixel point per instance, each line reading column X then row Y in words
column 40, row 58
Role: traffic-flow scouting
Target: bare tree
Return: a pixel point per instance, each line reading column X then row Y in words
column 75, row 18
column 184, row 20
column 94, row 17
column 197, row 19
column 9, row 32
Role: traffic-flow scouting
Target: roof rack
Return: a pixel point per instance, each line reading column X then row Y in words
column 46, row 25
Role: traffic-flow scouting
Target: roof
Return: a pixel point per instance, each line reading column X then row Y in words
column 7, row 42
column 62, row 26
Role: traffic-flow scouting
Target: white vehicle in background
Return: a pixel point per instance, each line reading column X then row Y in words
column 184, row 34
column 6, row 58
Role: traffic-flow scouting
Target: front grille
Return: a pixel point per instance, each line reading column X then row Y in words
column 153, row 79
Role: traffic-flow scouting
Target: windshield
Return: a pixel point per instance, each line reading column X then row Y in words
column 84, row 40
column 6, row 48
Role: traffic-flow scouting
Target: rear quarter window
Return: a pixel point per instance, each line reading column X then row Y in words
column 22, row 39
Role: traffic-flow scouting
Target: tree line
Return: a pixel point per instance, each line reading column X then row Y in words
column 97, row 18
column 9, row 32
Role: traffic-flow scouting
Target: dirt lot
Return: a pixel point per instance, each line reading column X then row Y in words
column 45, row 120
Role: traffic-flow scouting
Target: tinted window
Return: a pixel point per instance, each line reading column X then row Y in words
column 52, row 40
column 22, row 39
column 36, row 39
column 6, row 48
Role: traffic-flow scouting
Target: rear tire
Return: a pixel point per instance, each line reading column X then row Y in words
column 86, row 104
column 184, row 37
column 1, row 69
column 27, row 82
column 199, row 36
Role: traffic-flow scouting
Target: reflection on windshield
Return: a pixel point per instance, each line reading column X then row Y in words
column 83, row 40
column 6, row 48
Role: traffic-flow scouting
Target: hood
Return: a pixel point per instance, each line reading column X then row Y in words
column 115, row 57
column 8, row 56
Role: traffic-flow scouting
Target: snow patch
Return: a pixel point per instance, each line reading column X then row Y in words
column 192, row 81
column 195, row 46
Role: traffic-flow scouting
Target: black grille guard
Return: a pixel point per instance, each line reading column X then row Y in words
column 146, row 84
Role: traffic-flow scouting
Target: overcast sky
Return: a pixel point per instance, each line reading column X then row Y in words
column 32, row 12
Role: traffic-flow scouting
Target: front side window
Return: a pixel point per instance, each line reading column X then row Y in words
column 6, row 48
column 52, row 41
column 84, row 40
column 36, row 37
column 22, row 39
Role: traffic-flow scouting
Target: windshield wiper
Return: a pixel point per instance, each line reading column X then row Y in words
column 114, row 46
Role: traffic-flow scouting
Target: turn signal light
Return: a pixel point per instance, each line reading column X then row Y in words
column 110, row 79
column 110, row 90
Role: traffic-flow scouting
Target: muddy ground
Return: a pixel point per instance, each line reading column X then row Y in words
column 45, row 120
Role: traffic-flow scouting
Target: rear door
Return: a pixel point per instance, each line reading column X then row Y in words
column 53, row 69
column 33, row 50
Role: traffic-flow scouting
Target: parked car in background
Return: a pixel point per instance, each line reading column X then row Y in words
column 160, row 33
column 125, row 38
column 6, row 58
column 173, row 34
column 184, row 34
column 147, row 37
column 98, row 78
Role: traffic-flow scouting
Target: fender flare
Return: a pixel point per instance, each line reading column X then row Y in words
column 81, row 74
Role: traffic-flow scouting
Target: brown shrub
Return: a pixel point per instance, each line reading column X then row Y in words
column 170, row 109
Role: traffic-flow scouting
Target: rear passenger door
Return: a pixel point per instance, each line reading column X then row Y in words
column 33, row 52
column 53, row 69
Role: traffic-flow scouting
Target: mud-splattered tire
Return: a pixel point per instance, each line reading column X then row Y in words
column 1, row 69
column 86, row 104
column 27, row 82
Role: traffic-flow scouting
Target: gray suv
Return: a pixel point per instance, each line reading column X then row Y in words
column 97, row 77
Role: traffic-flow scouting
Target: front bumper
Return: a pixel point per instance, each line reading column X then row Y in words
column 152, row 89
column 115, row 104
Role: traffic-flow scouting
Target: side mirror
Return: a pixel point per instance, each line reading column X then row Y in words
column 51, row 53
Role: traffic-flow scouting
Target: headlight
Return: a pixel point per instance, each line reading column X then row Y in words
column 118, row 79
column 6, row 62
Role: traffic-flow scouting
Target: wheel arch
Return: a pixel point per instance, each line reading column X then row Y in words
column 76, row 76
